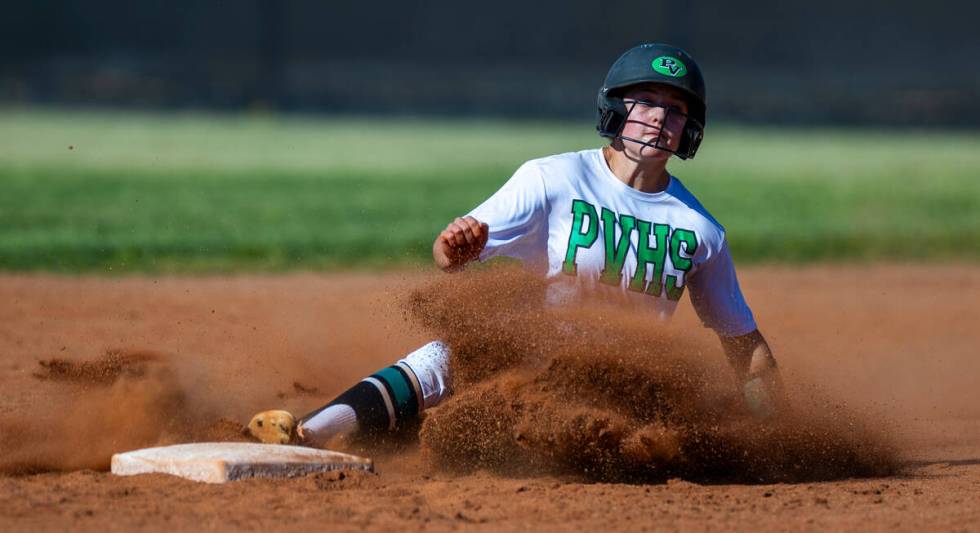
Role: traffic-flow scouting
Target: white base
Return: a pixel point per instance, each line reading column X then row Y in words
column 219, row 462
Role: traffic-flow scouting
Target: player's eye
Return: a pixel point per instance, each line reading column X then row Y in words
column 648, row 104
column 644, row 103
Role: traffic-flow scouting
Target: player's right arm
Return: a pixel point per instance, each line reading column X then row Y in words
column 509, row 223
column 461, row 242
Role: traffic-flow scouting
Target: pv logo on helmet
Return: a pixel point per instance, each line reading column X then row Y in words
column 669, row 66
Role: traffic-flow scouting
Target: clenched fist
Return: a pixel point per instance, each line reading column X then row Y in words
column 461, row 242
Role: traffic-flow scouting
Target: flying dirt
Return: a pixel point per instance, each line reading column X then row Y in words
column 121, row 401
column 615, row 396
column 589, row 390
column 878, row 363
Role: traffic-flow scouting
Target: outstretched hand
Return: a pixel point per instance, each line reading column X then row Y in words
column 461, row 242
column 757, row 374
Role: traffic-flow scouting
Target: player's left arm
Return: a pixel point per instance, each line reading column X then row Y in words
column 757, row 373
column 718, row 300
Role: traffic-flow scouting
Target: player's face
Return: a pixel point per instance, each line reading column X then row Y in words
column 657, row 115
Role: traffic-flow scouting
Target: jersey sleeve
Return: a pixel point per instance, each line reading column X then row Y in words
column 717, row 298
column 516, row 215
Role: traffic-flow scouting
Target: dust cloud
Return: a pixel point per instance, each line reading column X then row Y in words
column 593, row 390
column 608, row 394
column 121, row 401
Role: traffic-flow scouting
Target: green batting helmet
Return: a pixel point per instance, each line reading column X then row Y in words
column 654, row 63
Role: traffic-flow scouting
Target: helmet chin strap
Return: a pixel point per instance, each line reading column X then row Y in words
column 655, row 144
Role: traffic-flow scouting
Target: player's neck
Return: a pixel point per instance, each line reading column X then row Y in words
column 644, row 176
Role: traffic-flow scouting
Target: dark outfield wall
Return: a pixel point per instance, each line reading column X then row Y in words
column 834, row 61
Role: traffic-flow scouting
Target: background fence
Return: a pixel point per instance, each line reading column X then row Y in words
column 893, row 62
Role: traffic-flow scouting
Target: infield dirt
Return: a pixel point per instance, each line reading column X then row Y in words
column 881, row 362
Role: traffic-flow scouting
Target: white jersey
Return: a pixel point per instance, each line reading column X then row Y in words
column 569, row 218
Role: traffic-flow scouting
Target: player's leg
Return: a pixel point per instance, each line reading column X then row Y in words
column 380, row 403
column 385, row 400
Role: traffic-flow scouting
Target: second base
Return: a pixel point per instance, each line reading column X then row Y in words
column 220, row 462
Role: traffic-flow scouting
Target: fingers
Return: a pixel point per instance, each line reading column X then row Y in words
column 464, row 239
column 465, row 232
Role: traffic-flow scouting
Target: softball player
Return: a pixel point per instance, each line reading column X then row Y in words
column 611, row 220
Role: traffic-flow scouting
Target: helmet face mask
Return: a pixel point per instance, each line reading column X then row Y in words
column 659, row 64
column 674, row 120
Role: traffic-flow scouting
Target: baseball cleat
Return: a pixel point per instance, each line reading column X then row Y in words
column 273, row 427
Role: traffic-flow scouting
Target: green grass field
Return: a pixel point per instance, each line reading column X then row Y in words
column 122, row 191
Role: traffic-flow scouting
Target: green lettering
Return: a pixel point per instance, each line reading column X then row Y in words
column 673, row 291
column 647, row 254
column 578, row 238
column 612, row 272
column 690, row 242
